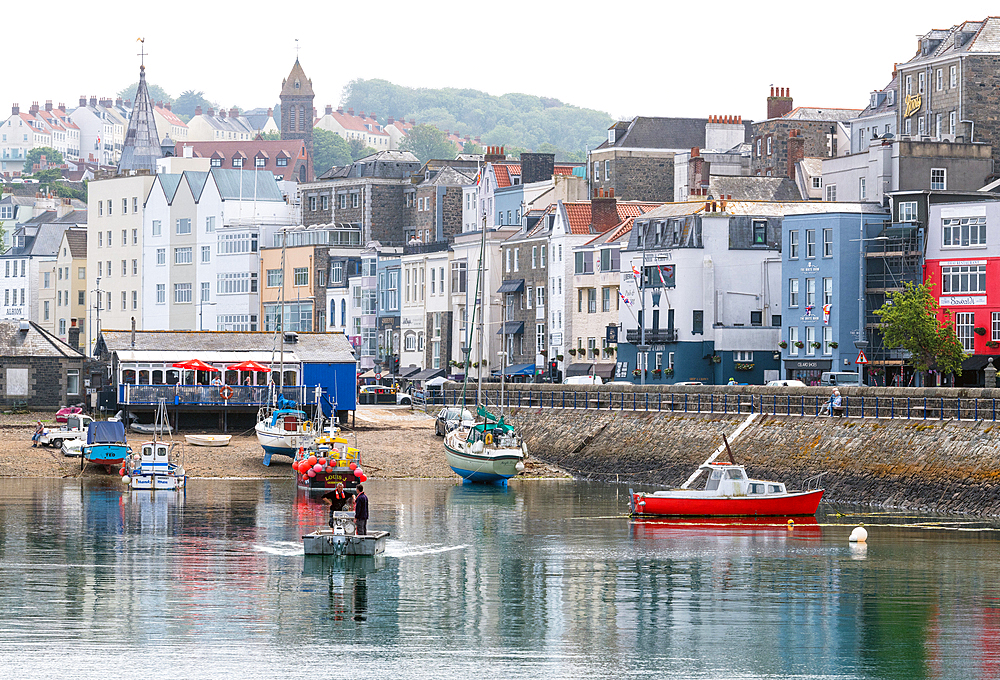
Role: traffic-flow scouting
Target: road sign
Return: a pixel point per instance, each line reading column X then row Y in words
column 862, row 359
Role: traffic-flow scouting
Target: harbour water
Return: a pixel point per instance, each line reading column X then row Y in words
column 543, row 579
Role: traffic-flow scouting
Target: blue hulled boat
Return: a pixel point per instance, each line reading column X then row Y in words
column 106, row 443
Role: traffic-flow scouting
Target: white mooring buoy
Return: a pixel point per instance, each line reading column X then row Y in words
column 859, row 535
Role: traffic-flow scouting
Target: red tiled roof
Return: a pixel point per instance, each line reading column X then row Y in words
column 170, row 116
column 291, row 148
column 579, row 217
column 615, row 234
column 503, row 172
column 626, row 210
column 356, row 123
column 563, row 170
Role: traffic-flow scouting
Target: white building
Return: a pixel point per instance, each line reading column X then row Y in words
column 102, row 130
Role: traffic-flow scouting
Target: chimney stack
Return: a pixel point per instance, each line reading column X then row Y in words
column 270, row 112
column 796, row 151
column 222, row 113
column 211, row 112
column 779, row 105
column 33, row 109
column 604, row 212
column 48, row 104
column 329, row 109
column 390, row 121
column 15, row 110
column 73, row 335
column 83, row 100
column 350, row 112
column 698, row 172
column 234, row 112
column 340, row 110
column 93, row 101
column 197, row 110
column 118, row 102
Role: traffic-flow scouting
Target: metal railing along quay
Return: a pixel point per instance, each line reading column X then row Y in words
column 934, row 408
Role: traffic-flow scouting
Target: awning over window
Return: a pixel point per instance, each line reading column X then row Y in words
column 604, row 371
column 512, row 286
column 511, row 328
column 407, row 371
column 429, row 373
column 520, row 369
column 581, row 368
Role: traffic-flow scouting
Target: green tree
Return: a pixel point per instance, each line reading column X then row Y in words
column 427, row 142
column 472, row 147
column 329, row 149
column 156, row 93
column 52, row 157
column 189, row 100
column 358, row 149
column 910, row 321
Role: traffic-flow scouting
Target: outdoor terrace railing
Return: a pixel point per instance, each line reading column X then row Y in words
column 934, row 408
column 209, row 395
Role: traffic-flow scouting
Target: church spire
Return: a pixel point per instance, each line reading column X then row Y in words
column 142, row 144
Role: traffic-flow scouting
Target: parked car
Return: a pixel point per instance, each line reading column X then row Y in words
column 404, row 399
column 452, row 417
column 835, row 378
column 583, row 380
column 785, row 383
column 377, row 394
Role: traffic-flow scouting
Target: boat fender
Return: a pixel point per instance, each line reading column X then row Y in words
column 524, row 449
column 126, row 480
column 489, row 439
column 477, row 447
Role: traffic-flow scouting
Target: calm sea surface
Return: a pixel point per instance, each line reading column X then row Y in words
column 544, row 579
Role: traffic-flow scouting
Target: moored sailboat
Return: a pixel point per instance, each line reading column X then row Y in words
column 490, row 451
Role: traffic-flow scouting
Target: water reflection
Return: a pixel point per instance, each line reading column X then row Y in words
column 538, row 579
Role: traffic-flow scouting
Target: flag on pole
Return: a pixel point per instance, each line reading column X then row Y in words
column 479, row 177
column 659, row 270
column 810, row 308
column 826, row 313
column 624, row 299
column 637, row 275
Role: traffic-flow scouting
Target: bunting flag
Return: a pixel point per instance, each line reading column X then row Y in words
column 663, row 281
column 637, row 275
column 479, row 177
column 809, row 309
column 826, row 313
column 624, row 299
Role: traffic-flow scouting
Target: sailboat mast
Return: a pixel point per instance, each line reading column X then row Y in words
column 281, row 315
column 481, row 294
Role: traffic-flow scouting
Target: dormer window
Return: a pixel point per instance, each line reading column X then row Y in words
column 216, row 162
column 611, row 136
column 259, row 161
column 281, row 162
column 237, row 161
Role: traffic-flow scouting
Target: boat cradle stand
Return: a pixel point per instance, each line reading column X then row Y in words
column 326, row 542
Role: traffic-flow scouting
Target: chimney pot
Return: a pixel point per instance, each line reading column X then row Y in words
column 695, row 152
column 197, row 110
column 270, row 112
column 48, row 104
column 211, row 111
column 340, row 110
column 350, row 112
column 234, row 112
column 772, row 90
column 329, row 109
column 15, row 110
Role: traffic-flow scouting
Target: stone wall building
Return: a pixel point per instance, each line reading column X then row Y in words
column 38, row 369
column 297, row 113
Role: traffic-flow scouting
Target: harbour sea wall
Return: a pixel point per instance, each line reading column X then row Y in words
column 940, row 459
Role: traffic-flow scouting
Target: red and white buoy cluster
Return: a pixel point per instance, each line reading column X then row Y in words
column 314, row 465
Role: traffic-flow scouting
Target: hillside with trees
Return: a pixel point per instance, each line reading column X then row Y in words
column 517, row 121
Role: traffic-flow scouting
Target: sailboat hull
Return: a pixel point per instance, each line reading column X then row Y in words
column 487, row 467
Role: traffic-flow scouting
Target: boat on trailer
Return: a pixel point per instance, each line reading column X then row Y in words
column 727, row 491
column 106, row 443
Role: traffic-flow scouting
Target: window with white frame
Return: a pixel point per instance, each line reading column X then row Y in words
column 810, row 292
column 862, row 189
column 210, row 223
column 355, row 198
column 237, row 243
column 810, row 243
column 831, row 192
column 274, row 278
column 301, row 276
column 817, row 182
column 540, row 296
column 953, row 77
column 921, row 126
column 183, row 225
column 161, row 257
column 337, row 273
column 908, row 126
column 827, row 291
column 743, row 357
column 964, row 279
column 810, row 340
column 828, row 243
column 793, row 245
column 939, row 179
column 908, row 211
column 793, row 292
column 963, row 231
column 769, row 145
column 182, row 292
column 793, row 338
column 965, row 329
column 156, row 228
column 183, row 255
column 939, row 79
column 231, row 283
column 951, row 122
column 206, row 291
column 996, row 327
column 827, row 339
column 909, row 85
column 206, row 253
column 920, row 83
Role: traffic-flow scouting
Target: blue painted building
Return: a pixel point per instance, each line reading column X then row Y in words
column 821, row 301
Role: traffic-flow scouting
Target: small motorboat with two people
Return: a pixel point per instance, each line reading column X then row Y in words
column 727, row 491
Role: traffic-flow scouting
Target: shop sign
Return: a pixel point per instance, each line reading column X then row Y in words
column 960, row 300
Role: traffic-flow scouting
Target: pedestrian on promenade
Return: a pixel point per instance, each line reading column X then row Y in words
column 836, row 404
column 361, row 511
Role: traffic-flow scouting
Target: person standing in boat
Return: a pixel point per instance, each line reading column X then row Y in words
column 361, row 511
column 339, row 500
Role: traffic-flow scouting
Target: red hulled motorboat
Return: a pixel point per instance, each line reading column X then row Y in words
column 726, row 492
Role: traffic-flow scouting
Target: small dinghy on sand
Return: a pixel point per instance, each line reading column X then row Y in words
column 208, row 439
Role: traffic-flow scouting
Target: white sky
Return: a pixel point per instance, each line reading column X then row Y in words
column 651, row 58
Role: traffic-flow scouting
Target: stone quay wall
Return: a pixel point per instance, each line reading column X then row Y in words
column 937, row 465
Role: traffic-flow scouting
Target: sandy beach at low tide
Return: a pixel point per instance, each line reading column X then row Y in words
column 394, row 442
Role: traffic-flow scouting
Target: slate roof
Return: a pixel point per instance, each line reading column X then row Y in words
column 76, row 239
column 764, row 208
column 646, row 132
column 812, row 113
column 450, row 177
column 169, row 183
column 969, row 37
column 256, row 184
column 754, row 188
column 297, row 75
column 36, row 342
column 310, row 347
column 883, row 106
column 45, row 240
column 295, row 149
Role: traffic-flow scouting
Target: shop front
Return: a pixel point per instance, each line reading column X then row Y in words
column 808, row 371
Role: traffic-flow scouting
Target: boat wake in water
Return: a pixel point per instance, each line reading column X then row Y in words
column 399, row 549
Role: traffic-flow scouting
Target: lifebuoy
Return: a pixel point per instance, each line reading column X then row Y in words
column 226, row 391
column 489, row 439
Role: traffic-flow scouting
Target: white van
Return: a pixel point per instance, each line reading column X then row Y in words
column 835, row 378
column 583, row 380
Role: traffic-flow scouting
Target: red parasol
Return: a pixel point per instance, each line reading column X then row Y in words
column 195, row 365
column 249, row 366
